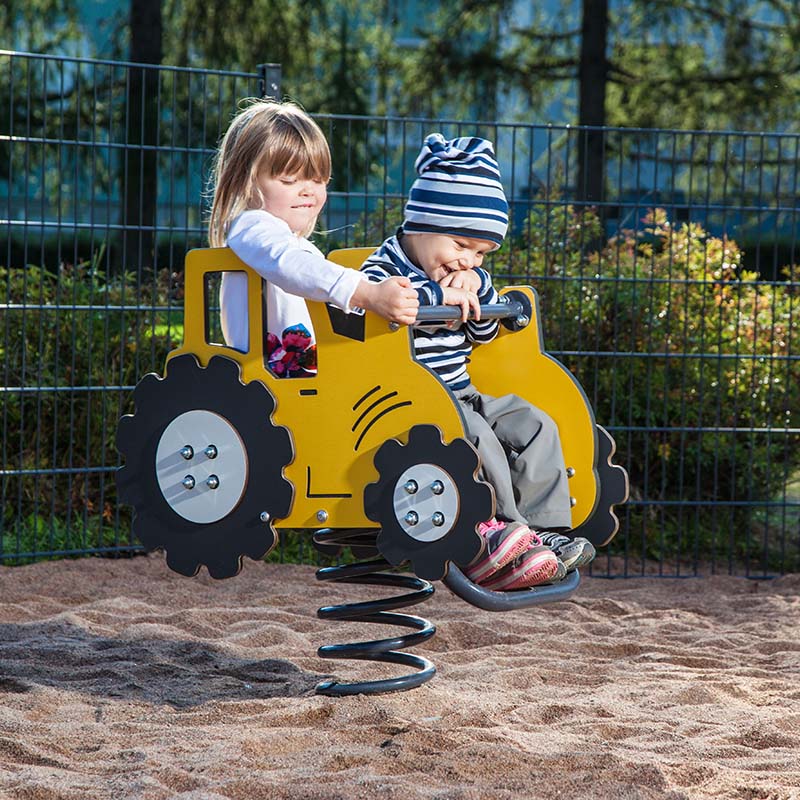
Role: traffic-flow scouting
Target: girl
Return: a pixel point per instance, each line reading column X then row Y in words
column 269, row 186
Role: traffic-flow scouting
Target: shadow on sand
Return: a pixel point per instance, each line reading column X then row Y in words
column 182, row 674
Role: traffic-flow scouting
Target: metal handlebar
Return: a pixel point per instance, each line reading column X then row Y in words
column 514, row 310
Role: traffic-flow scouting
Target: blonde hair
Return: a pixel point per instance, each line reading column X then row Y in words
column 265, row 137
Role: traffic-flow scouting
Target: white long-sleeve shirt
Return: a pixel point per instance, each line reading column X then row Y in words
column 294, row 268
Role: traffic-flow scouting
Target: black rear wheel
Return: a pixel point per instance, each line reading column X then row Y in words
column 601, row 527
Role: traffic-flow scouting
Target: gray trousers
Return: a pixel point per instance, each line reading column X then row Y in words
column 521, row 456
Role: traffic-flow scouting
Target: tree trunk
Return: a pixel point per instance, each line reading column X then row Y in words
column 592, row 75
column 140, row 166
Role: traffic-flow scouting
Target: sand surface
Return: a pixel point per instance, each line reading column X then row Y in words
column 119, row 679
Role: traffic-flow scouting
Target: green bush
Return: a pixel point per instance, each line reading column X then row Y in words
column 78, row 332
column 695, row 360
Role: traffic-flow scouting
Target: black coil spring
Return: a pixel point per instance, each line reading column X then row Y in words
column 385, row 650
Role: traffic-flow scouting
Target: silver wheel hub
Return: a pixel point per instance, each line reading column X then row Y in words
column 426, row 502
column 201, row 466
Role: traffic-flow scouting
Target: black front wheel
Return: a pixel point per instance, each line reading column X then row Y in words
column 204, row 466
column 428, row 501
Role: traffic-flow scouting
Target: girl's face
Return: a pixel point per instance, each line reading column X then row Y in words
column 295, row 200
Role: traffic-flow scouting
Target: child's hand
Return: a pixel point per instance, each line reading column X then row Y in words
column 464, row 298
column 462, row 279
column 393, row 299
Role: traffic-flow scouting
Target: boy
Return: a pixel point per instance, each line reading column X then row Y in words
column 455, row 215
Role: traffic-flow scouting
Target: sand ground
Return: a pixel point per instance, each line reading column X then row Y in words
column 119, row 679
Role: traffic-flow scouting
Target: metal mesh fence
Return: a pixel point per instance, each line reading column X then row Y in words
column 664, row 262
column 103, row 165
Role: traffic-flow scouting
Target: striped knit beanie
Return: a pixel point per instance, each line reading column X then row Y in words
column 458, row 190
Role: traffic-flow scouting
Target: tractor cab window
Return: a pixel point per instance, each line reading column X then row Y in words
column 290, row 351
column 228, row 287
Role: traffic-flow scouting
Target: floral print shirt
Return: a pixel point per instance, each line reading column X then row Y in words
column 294, row 355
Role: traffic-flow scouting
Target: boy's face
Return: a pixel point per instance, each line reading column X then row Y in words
column 439, row 254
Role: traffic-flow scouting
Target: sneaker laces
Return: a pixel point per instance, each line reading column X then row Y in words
column 552, row 539
column 487, row 528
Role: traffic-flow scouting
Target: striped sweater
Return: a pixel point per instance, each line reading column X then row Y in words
column 444, row 350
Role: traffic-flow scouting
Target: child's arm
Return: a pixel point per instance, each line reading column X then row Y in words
column 468, row 300
column 479, row 281
column 266, row 244
column 392, row 299
column 429, row 293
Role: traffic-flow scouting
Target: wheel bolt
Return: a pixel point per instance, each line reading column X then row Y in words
column 573, row 502
column 322, row 515
column 264, row 516
column 210, row 451
column 437, row 487
column 570, row 471
column 411, row 487
column 188, row 482
column 187, row 452
column 411, row 518
column 438, row 519
column 212, row 481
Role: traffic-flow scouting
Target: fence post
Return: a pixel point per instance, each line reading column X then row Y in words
column 269, row 80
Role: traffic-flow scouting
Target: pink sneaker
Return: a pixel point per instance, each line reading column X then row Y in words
column 538, row 565
column 504, row 542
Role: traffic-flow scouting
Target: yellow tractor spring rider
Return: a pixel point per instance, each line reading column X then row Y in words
column 220, row 454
